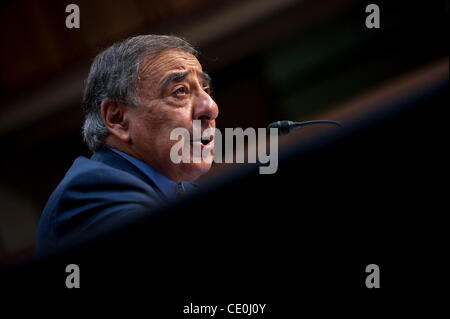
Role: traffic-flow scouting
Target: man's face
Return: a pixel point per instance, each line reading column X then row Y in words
column 173, row 91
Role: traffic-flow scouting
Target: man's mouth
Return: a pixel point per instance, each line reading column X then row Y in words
column 206, row 140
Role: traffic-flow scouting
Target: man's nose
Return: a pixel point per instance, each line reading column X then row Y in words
column 204, row 107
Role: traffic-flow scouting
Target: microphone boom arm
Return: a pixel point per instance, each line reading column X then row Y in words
column 286, row 127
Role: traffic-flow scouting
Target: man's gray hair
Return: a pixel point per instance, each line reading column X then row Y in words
column 114, row 74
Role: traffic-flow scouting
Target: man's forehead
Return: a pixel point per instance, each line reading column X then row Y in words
column 169, row 61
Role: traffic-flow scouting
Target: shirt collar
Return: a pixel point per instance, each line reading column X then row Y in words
column 167, row 186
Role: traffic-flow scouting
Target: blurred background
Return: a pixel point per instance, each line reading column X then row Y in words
column 269, row 60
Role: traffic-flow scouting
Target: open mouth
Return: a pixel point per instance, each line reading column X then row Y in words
column 206, row 140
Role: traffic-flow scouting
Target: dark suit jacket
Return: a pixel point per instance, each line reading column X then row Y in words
column 95, row 195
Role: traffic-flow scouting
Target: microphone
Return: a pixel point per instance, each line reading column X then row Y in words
column 286, row 127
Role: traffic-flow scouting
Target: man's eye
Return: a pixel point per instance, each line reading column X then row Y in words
column 207, row 90
column 180, row 91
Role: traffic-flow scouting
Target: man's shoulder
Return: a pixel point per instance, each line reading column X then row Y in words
column 88, row 178
column 91, row 172
column 92, row 197
column 105, row 166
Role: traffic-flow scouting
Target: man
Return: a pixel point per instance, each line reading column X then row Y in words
column 137, row 92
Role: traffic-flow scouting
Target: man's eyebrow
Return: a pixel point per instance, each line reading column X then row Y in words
column 174, row 77
column 178, row 76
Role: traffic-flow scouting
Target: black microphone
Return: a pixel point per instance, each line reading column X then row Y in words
column 286, row 127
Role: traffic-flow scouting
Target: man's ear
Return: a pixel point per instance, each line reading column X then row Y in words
column 114, row 116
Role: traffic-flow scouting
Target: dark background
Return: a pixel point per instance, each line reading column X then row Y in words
column 269, row 60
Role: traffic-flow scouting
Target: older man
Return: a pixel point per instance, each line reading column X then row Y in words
column 137, row 92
